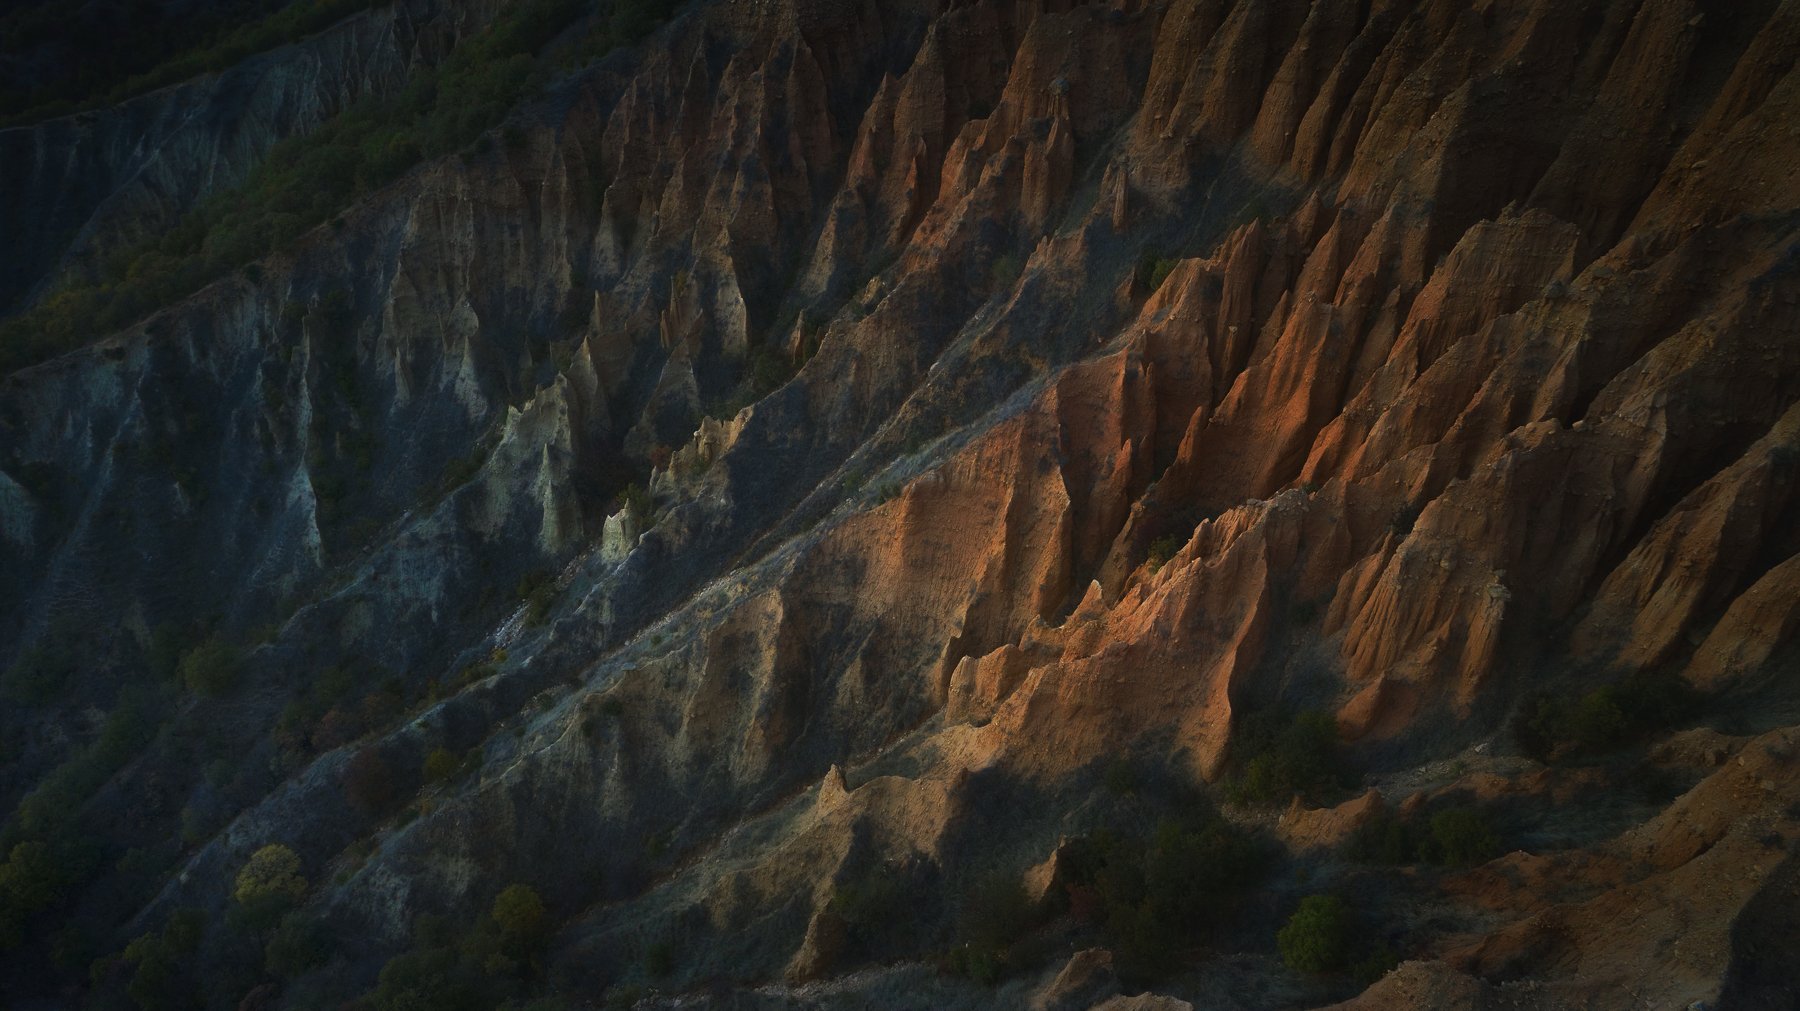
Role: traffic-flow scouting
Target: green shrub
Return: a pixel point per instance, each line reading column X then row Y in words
column 1463, row 837
column 31, row 881
column 211, row 668
column 440, row 765
column 269, row 884
column 1003, row 273
column 461, row 470
column 519, row 914
column 1284, row 757
column 1152, row 270
column 1384, row 839
column 1193, row 869
column 434, row 974
column 1605, row 719
column 1317, row 938
column 995, row 915
column 162, row 975
column 298, row 944
column 1121, row 777
column 982, row 965
column 1152, row 896
column 52, row 805
column 1378, row 962
column 1162, row 549
column 1454, row 837
column 870, row 903
column 638, row 502
column 769, row 369
column 538, row 590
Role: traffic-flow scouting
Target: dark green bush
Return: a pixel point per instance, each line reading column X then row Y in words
column 1384, row 839
column 1122, row 777
column 50, row 808
column 982, row 965
column 632, row 20
column 1152, row 270
column 870, row 903
column 484, row 967
column 995, row 916
column 163, row 653
column 211, row 668
column 162, row 975
column 769, row 369
column 1380, row 960
column 298, row 944
column 1003, row 273
column 1318, row 937
column 31, row 881
column 1193, row 869
column 1463, row 837
column 434, row 976
column 1605, row 719
column 1453, row 837
column 1162, row 549
column 519, row 915
column 1151, row 897
column 538, row 590
column 1283, row 757
column 268, row 886
column 635, row 499
column 440, row 765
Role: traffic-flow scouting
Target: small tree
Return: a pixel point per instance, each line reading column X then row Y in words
column 1463, row 837
column 519, row 913
column 210, row 668
column 1301, row 756
column 1162, row 549
column 440, row 765
column 269, row 884
column 1317, row 937
column 298, row 944
column 30, row 882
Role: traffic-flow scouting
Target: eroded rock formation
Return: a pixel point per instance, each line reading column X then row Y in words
column 1085, row 378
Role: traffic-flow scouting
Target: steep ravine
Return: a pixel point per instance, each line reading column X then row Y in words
column 835, row 442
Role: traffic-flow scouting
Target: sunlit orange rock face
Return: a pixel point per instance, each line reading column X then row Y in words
column 1483, row 381
column 1158, row 365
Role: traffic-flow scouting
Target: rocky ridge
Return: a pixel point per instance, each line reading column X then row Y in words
column 1115, row 372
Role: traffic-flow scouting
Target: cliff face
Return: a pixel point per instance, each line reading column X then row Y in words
column 1088, row 381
